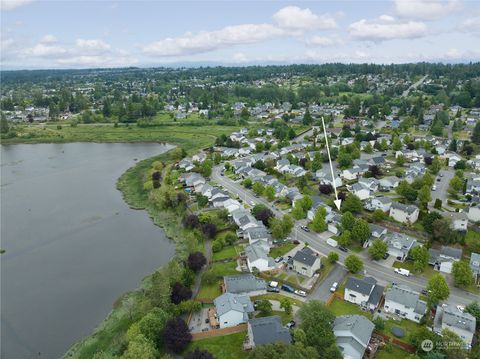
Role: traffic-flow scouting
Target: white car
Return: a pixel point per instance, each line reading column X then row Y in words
column 460, row 308
column 434, row 188
column 301, row 293
column 334, row 287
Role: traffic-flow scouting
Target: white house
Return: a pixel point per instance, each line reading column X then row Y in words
column 360, row 191
column 363, row 292
column 381, row 203
column 462, row 324
column 232, row 309
column 399, row 245
column 306, row 262
column 257, row 257
column 405, row 302
column 444, row 258
column 404, row 213
column 474, row 213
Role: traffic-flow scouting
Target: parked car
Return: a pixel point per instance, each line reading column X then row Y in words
column 296, row 242
column 386, row 255
column 343, row 249
column 439, row 179
column 460, row 308
column 290, row 324
column 402, row 271
column 278, row 259
column 434, row 188
column 273, row 290
column 301, row 293
column 287, row 288
column 334, row 287
column 441, row 174
column 305, row 228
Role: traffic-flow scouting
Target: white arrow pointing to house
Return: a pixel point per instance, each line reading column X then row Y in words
column 337, row 201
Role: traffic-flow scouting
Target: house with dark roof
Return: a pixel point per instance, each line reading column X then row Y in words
column 443, row 259
column 461, row 323
column 246, row 284
column 306, row 262
column 232, row 309
column 364, row 292
column 405, row 302
column 266, row 330
column 352, row 333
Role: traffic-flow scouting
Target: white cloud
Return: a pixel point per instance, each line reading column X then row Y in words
column 426, row 9
column 470, row 25
column 48, row 40
column 324, row 41
column 239, row 57
column 92, row 47
column 295, row 18
column 45, row 50
column 288, row 21
column 6, row 5
column 386, row 28
column 212, row 40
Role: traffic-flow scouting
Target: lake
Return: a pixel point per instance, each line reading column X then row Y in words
column 73, row 246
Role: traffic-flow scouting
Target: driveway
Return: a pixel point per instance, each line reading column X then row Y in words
column 442, row 187
column 322, row 291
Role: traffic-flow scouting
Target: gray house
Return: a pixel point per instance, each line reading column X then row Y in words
column 399, row 244
column 232, row 309
column 246, row 284
column 462, row 324
column 363, row 292
column 306, row 262
column 405, row 302
column 266, row 330
column 353, row 333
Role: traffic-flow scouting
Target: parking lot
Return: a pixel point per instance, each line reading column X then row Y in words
column 322, row 291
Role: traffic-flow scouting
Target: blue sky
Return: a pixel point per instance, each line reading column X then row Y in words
column 79, row 34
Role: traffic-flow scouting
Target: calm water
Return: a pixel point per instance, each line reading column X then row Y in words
column 73, row 245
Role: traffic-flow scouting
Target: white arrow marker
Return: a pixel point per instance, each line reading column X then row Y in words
column 337, row 201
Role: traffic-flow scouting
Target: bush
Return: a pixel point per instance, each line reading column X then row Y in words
column 230, row 238
column 217, row 245
column 438, row 203
column 333, row 257
column 379, row 323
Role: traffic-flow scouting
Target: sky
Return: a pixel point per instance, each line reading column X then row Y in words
column 102, row 33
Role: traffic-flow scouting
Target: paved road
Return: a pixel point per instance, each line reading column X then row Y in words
column 382, row 273
column 441, row 191
column 414, row 86
column 322, row 292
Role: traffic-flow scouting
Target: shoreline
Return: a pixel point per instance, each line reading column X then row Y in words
column 162, row 219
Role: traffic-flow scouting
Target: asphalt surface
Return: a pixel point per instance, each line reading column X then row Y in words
column 441, row 190
column 383, row 274
column 322, row 291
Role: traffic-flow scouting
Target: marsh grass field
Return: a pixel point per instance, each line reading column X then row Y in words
column 187, row 136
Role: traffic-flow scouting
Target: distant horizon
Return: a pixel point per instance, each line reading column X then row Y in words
column 199, row 65
column 46, row 34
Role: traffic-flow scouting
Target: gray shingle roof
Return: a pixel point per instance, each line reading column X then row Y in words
column 359, row 328
column 243, row 283
column 405, row 208
column 452, row 317
column 229, row 301
column 363, row 286
column 269, row 330
column 407, row 297
column 305, row 256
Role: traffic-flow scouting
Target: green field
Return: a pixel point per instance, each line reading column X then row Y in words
column 223, row 347
column 189, row 137
column 225, row 253
column 341, row 307
column 395, row 353
column 281, row 250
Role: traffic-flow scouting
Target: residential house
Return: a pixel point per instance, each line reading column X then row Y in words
column 232, row 309
column 371, row 184
column 453, row 158
column 474, row 213
column 443, row 259
column 258, row 235
column 186, row 165
column 246, row 284
column 381, row 203
column 352, row 333
column 461, row 323
column 473, row 186
column 257, row 257
column 333, row 222
column 360, row 191
column 363, row 292
column 317, row 202
column 399, row 245
column 475, row 264
column 306, row 262
column 459, row 221
column 407, row 214
column 405, row 302
column 199, row 157
column 268, row 330
column 388, row 183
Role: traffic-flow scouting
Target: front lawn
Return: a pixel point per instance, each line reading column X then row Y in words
column 278, row 297
column 224, row 347
column 281, row 250
column 341, row 307
column 428, row 272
